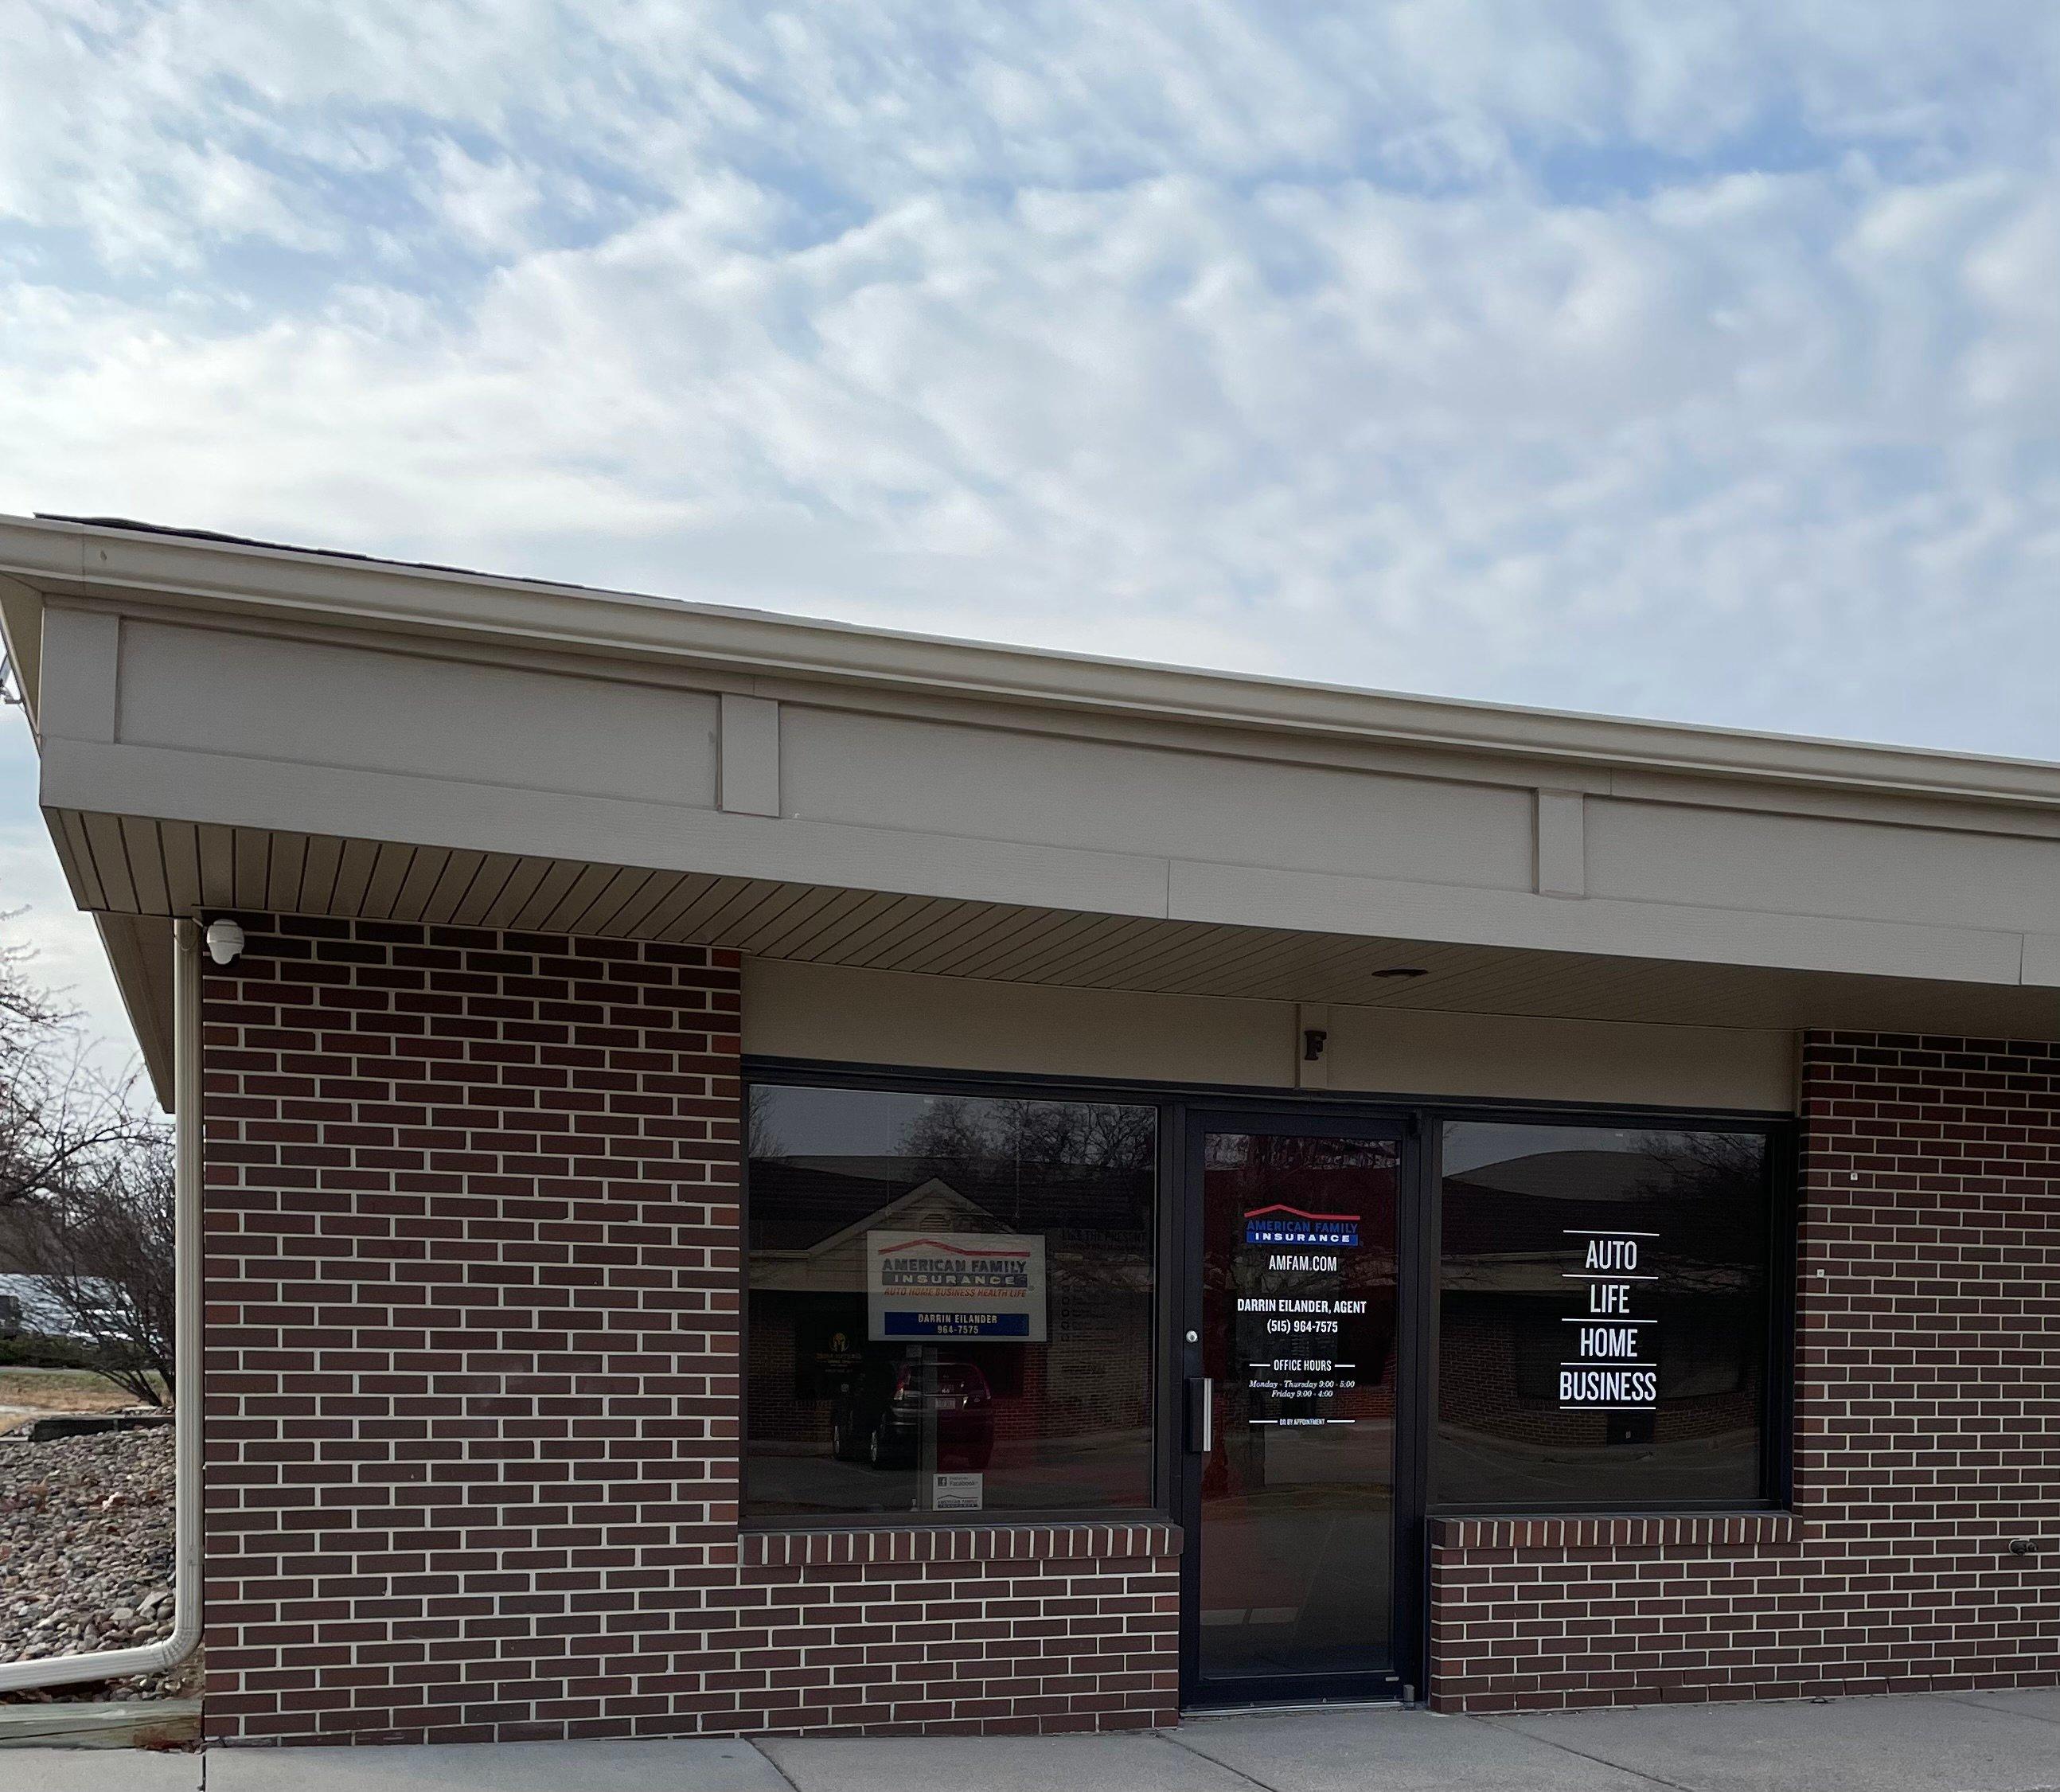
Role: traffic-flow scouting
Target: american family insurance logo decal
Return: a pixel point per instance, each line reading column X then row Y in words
column 987, row 1285
column 1288, row 1228
column 1299, row 1335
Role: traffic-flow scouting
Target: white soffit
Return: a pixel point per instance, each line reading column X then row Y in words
column 139, row 867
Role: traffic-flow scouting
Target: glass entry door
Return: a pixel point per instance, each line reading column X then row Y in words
column 1289, row 1426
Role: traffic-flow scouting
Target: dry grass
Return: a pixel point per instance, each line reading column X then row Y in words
column 56, row 1390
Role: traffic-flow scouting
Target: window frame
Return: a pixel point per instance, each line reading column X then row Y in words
column 1425, row 1116
column 790, row 1073
column 1777, row 1391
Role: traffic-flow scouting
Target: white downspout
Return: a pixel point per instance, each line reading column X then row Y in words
column 152, row 1658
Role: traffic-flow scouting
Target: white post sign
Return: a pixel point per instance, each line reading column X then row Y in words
column 932, row 1285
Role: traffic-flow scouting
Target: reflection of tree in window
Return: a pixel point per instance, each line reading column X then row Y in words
column 760, row 1138
column 1018, row 1146
column 1069, row 1418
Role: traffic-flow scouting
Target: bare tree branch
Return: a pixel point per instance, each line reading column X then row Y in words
column 103, row 1248
column 60, row 1118
column 85, row 1183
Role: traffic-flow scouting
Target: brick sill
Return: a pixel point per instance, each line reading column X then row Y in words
column 975, row 1542
column 1615, row 1531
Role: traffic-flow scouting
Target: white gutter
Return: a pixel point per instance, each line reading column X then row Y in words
column 152, row 1658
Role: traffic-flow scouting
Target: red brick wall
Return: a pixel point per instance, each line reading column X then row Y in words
column 1927, row 1435
column 471, row 1401
column 1027, row 1628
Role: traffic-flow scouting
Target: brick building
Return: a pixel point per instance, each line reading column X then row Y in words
column 746, row 1175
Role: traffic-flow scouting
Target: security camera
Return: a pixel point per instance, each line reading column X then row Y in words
column 225, row 941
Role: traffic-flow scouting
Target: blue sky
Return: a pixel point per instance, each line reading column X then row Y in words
column 1696, row 361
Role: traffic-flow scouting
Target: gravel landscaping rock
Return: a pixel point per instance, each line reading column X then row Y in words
column 85, row 1554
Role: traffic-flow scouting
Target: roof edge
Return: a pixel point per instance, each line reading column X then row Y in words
column 54, row 554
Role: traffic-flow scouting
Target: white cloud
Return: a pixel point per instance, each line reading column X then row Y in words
column 1698, row 361
column 487, row 204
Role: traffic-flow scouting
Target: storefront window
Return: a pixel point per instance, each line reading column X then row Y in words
column 949, row 1303
column 1602, row 1335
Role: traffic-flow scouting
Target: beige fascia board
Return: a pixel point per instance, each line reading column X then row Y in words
column 1174, row 734
column 174, row 785
column 926, row 703
column 1321, row 902
column 51, row 556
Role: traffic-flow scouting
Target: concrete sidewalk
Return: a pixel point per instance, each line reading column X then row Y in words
column 1947, row 1742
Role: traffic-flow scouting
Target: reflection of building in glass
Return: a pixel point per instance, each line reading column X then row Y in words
column 1515, row 1230
column 1064, row 1422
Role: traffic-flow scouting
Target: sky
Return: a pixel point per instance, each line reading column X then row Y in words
column 1696, row 361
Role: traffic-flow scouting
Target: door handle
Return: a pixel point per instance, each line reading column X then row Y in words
column 1201, row 1415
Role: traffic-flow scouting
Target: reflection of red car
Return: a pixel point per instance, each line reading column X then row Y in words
column 878, row 1417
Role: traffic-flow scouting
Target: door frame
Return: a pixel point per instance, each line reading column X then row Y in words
column 1416, row 1236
